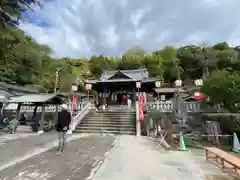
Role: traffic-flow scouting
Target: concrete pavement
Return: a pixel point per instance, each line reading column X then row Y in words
column 101, row 157
column 17, row 146
column 136, row 158
column 81, row 159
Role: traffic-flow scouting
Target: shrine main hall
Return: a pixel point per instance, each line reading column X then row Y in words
column 112, row 85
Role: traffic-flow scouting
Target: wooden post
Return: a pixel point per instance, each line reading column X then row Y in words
column 134, row 96
column 168, row 125
column 206, row 154
column 105, row 96
column 18, row 110
column 35, row 111
column 56, row 115
column 216, row 135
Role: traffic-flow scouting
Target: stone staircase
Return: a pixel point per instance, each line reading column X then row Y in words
column 117, row 121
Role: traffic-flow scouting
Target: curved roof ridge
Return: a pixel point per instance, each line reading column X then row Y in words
column 127, row 70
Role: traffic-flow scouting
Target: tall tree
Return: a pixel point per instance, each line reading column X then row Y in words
column 11, row 11
column 223, row 87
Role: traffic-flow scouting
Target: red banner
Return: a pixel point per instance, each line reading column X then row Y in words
column 74, row 103
column 140, row 108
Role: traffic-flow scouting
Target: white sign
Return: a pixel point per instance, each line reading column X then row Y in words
column 198, row 82
column 163, row 98
column 178, row 83
column 138, row 84
column 88, row 86
column 74, row 87
column 158, row 84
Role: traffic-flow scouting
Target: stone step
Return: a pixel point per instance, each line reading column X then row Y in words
column 106, row 125
column 112, row 115
column 120, row 128
column 113, row 112
column 109, row 122
column 105, row 131
column 109, row 119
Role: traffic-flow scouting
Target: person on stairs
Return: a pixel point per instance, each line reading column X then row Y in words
column 62, row 126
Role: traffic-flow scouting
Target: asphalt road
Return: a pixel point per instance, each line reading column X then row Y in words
column 81, row 159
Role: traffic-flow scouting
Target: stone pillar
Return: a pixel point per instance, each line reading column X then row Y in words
column 138, row 123
column 40, row 131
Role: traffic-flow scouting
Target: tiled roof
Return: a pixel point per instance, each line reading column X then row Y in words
column 37, row 98
column 16, row 88
column 138, row 74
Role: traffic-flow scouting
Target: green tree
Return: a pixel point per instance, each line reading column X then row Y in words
column 223, row 87
column 135, row 52
column 189, row 62
column 171, row 64
column 154, row 65
column 128, row 63
column 11, row 10
column 20, row 57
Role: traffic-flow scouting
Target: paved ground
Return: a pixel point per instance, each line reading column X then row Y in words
column 91, row 157
column 13, row 146
column 136, row 158
column 81, row 159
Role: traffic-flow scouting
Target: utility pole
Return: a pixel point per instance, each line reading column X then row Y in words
column 206, row 64
column 57, row 79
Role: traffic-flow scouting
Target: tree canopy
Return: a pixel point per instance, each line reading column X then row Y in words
column 11, row 11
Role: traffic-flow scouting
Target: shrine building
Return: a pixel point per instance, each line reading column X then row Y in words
column 112, row 85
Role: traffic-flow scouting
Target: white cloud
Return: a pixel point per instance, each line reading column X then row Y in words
column 80, row 28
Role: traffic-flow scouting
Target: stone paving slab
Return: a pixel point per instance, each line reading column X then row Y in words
column 136, row 158
column 8, row 137
column 81, row 158
column 18, row 146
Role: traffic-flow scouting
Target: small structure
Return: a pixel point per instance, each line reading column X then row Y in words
column 115, row 84
column 168, row 93
column 38, row 100
column 9, row 90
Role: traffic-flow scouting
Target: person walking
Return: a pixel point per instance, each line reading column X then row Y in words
column 62, row 126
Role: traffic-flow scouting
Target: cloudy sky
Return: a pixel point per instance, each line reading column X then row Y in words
column 81, row 28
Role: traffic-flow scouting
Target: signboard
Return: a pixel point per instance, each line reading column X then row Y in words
column 138, row 84
column 158, row 84
column 163, row 98
column 88, row 86
column 178, row 83
column 198, row 82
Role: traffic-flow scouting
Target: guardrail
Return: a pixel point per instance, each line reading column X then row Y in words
column 79, row 117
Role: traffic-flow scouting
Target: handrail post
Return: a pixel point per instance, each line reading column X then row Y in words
column 77, row 119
